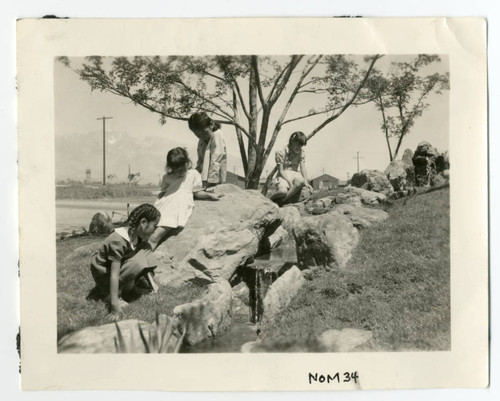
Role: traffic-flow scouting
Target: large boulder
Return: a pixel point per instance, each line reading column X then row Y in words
column 400, row 175
column 407, row 157
column 325, row 240
column 219, row 237
column 424, row 160
column 101, row 224
column 105, row 338
column 442, row 162
column 207, row 317
column 362, row 217
column 372, row 180
column 281, row 293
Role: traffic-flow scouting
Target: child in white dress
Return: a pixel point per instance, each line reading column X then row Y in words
column 175, row 200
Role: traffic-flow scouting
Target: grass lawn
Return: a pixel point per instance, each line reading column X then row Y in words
column 74, row 282
column 397, row 283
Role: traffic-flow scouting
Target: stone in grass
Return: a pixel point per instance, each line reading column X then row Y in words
column 368, row 198
column 207, row 317
column 281, row 293
column 345, row 340
column 326, row 240
column 349, row 197
column 103, row 339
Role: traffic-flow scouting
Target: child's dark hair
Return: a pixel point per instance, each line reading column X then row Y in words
column 299, row 137
column 201, row 120
column 144, row 211
column 176, row 158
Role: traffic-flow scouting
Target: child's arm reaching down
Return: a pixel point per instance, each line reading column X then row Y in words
column 116, row 309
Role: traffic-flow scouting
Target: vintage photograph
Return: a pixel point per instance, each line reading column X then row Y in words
column 303, row 208
column 252, row 203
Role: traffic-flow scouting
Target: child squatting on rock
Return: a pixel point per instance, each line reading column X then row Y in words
column 175, row 200
column 289, row 182
column 120, row 267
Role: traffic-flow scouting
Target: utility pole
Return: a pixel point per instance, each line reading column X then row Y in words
column 104, row 148
column 357, row 157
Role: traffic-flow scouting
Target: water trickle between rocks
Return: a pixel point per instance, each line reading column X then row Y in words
column 254, row 281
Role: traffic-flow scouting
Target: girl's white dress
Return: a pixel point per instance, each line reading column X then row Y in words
column 177, row 203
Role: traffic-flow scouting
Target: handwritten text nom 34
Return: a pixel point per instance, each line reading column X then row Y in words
column 335, row 378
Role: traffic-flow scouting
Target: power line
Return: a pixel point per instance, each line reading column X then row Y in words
column 358, row 157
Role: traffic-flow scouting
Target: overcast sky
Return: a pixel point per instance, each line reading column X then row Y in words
column 332, row 150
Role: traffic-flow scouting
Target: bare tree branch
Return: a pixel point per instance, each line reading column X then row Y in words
column 335, row 116
column 255, row 66
column 240, row 97
column 312, row 62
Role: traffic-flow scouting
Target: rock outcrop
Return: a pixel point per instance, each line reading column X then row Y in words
column 207, row 317
column 431, row 167
column 219, row 237
column 372, row 180
column 325, row 240
column 407, row 157
column 400, row 175
column 424, row 161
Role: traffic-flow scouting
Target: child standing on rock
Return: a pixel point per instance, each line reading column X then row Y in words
column 289, row 160
column 211, row 141
column 120, row 267
column 175, row 200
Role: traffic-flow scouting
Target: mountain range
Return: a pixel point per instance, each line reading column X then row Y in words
column 77, row 152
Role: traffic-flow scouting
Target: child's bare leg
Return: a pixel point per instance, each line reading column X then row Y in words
column 277, row 196
column 158, row 236
column 294, row 189
column 280, row 193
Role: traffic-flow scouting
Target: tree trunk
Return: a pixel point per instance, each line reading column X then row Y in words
column 385, row 127
column 252, row 128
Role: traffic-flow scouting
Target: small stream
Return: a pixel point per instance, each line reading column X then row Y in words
column 242, row 329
